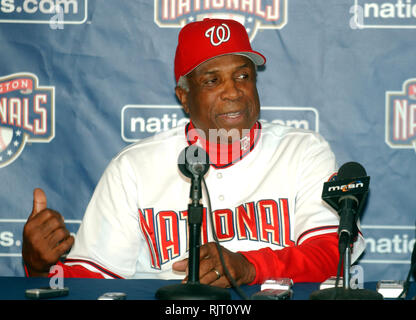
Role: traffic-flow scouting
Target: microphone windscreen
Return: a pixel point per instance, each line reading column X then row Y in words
column 193, row 160
column 351, row 170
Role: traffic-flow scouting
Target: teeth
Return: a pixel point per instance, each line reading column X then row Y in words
column 233, row 114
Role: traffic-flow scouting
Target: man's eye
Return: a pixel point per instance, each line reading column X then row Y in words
column 243, row 76
column 210, row 81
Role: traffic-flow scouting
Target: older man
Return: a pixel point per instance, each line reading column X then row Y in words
column 264, row 182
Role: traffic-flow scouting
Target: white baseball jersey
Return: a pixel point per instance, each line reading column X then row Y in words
column 135, row 225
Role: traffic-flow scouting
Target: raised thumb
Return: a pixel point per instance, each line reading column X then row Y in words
column 39, row 202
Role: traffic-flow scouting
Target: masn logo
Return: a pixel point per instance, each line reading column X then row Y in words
column 347, row 187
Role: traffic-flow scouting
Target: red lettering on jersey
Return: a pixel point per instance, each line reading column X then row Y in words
column 267, row 211
column 148, row 229
column 268, row 221
column 204, row 231
column 285, row 223
column 246, row 222
column 224, row 227
column 168, row 235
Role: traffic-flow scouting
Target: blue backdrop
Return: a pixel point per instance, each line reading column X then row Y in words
column 80, row 80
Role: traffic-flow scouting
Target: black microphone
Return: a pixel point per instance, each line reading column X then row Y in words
column 193, row 160
column 347, row 195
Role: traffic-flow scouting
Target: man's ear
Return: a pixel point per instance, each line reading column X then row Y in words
column 182, row 95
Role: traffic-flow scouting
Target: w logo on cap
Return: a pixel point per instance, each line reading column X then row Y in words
column 218, row 34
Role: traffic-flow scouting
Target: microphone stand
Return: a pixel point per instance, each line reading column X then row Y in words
column 346, row 292
column 347, row 264
column 193, row 289
column 348, row 203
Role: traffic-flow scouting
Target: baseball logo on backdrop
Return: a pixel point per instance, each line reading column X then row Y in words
column 254, row 15
column 401, row 116
column 27, row 114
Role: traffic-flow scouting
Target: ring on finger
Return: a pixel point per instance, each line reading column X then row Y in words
column 217, row 273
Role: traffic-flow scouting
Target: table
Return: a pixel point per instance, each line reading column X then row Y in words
column 83, row 294
column 13, row 288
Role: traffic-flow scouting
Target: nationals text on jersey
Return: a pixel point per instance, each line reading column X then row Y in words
column 266, row 221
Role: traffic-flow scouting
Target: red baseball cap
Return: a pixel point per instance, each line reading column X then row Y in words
column 203, row 40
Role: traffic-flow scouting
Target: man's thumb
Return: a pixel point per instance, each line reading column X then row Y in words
column 39, row 201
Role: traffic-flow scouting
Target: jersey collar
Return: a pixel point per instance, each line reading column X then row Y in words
column 224, row 155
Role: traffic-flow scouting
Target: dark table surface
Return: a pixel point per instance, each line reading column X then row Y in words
column 13, row 288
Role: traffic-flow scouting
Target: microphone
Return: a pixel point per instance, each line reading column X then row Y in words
column 192, row 161
column 347, row 195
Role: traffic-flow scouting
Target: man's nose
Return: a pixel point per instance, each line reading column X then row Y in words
column 231, row 90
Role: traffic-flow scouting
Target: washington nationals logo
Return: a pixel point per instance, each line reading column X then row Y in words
column 255, row 15
column 27, row 114
column 401, row 116
column 218, row 34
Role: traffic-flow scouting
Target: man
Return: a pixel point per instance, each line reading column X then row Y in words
column 265, row 183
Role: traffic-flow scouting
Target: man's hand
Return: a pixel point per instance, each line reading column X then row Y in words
column 45, row 237
column 211, row 271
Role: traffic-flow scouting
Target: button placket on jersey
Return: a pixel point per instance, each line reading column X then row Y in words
column 219, row 176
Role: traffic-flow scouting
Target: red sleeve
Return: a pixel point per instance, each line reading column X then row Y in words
column 315, row 260
column 77, row 272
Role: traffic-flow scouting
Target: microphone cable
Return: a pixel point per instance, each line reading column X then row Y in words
column 235, row 286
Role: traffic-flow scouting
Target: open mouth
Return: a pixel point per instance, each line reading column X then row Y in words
column 231, row 115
